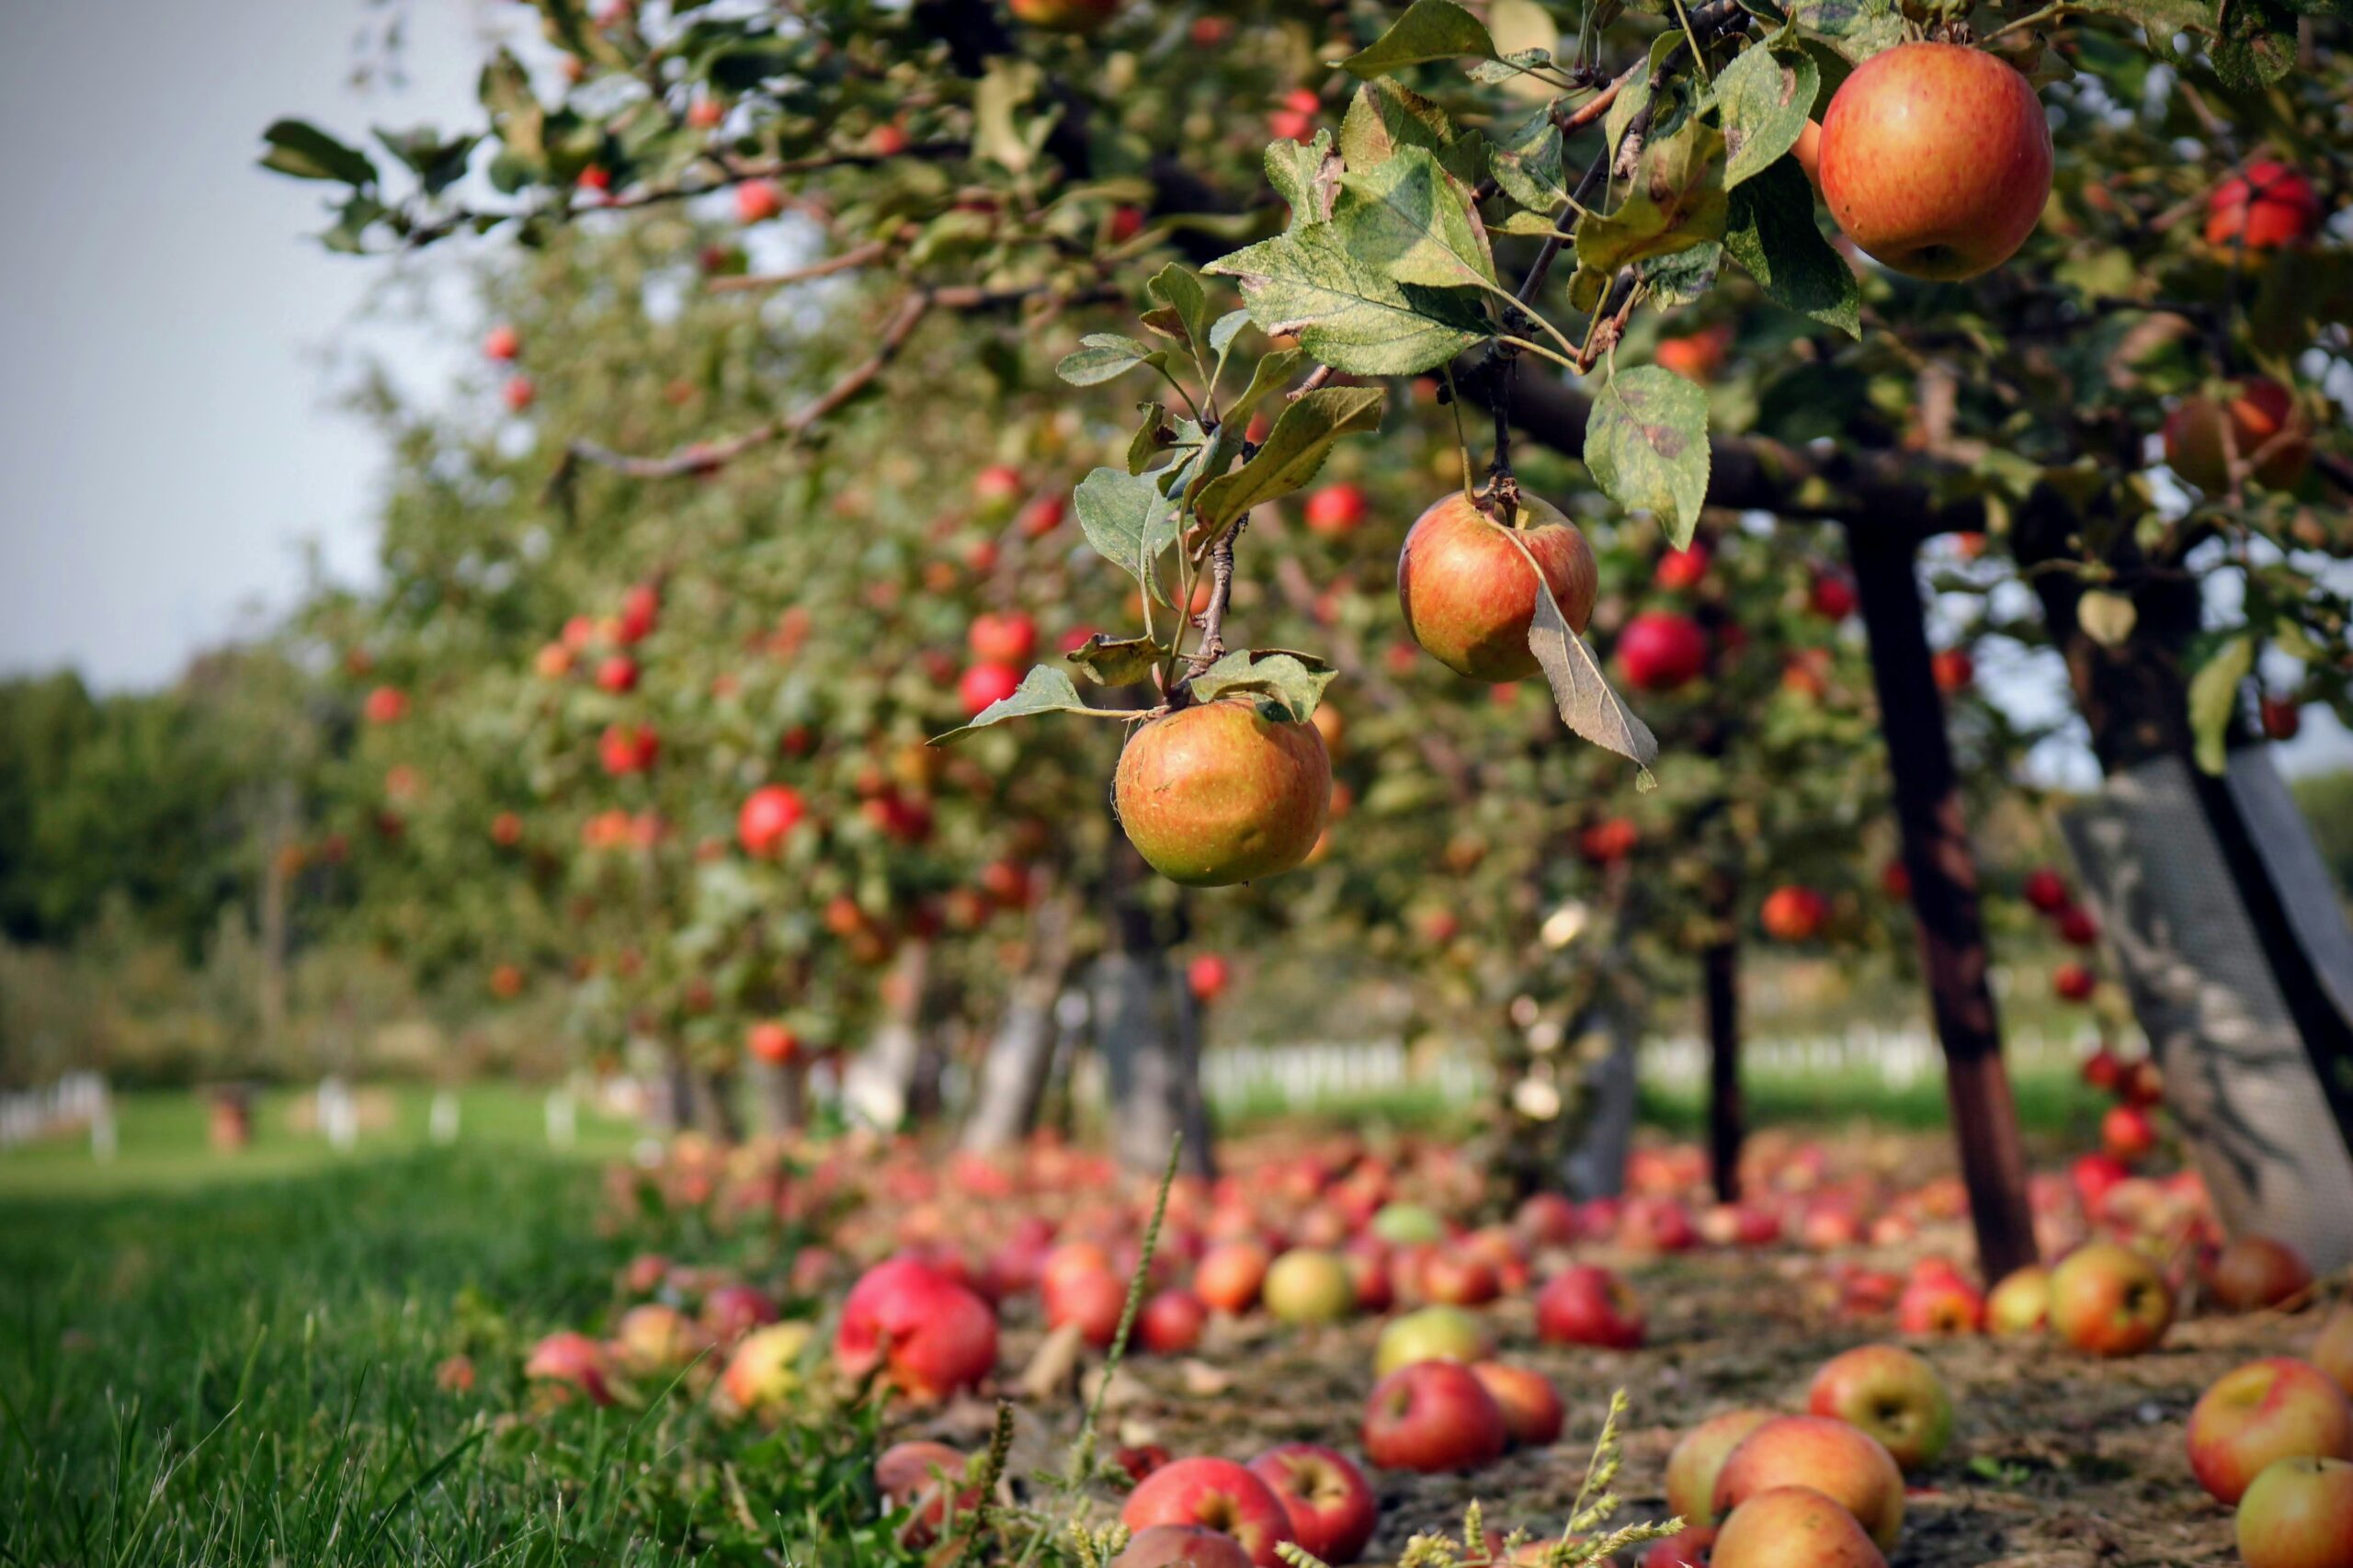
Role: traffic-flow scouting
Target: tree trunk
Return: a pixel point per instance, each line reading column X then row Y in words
column 1943, row 869
column 1596, row 1163
column 712, row 1096
column 784, row 1098
column 1145, row 1026
column 277, row 896
column 1727, row 1117
column 1022, row 1056
column 879, row 1086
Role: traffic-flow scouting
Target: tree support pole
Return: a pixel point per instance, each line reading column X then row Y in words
column 1943, row 869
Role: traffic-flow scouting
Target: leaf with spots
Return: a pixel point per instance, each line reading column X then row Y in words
column 1762, row 100
column 1646, row 445
column 1291, row 683
column 1676, row 200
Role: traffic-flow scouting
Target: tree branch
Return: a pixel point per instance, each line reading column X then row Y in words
column 848, row 260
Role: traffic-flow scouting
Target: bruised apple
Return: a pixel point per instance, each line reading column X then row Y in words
column 1936, row 159
column 1467, row 591
column 1219, row 793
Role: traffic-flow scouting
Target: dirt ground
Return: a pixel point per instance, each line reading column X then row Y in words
column 2058, row 1460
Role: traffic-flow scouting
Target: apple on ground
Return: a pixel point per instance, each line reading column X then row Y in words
column 1531, row 1406
column 1793, row 1527
column 1432, row 1416
column 1330, row 1503
column 1230, row 1276
column 1588, row 1305
column 2021, row 1302
column 2333, row 1351
column 1308, row 1284
column 1459, row 1279
column 1093, row 1299
column 1891, row 1393
column 1181, row 1546
column 930, row 1334
column 1171, row 1323
column 2110, row 1300
column 927, row 1479
column 1431, row 1334
column 1942, row 1305
column 2252, row 1272
column 571, row 1361
column 1687, row 1548
column 765, row 1372
column 1698, row 1457
column 2298, row 1512
column 2273, row 1409
column 1217, row 1495
column 1842, row 1462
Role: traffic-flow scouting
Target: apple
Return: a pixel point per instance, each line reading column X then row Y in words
column 2075, row 926
column 655, row 1337
column 624, row 749
column 1793, row 1527
column 1660, row 651
column 1065, row 15
column 1230, row 1276
column 385, row 705
column 1306, row 1285
column 518, row 393
column 1793, row 913
column 1335, row 511
column 1698, row 1457
column 765, row 1371
column 2298, row 1512
column 768, row 817
column 2277, row 1408
column 1842, row 1462
column 1679, row 571
column 503, row 344
column 1432, row 1416
column 2110, row 1300
column 1181, row 1546
column 1685, row 1549
column 1953, row 670
column 1330, row 1503
column 757, row 200
column 1217, row 793
column 1432, row 1334
column 925, row 1480
column 1587, row 1305
column 1459, row 1279
column 1831, row 595
column 1936, row 160
column 983, row 684
column 1093, row 1299
column 997, row 486
column 730, row 1311
column 1940, row 1306
column 571, row 1362
column 2267, row 431
column 1008, row 639
column 1170, row 1322
column 2333, row 1351
column 2021, row 1302
column 1215, row 1494
column 2046, row 890
column 2282, row 719
column 2267, row 206
column 1531, row 1405
column 1295, row 121
column 1891, row 1393
column 2072, row 981
column 1209, row 975
column 2251, row 1272
column 1546, row 1219
column 931, row 1334
column 2127, row 1133
column 1399, row 1223
column 1697, row 356
column 1469, row 595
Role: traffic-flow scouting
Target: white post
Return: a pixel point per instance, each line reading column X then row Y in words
column 564, row 1119
column 441, row 1124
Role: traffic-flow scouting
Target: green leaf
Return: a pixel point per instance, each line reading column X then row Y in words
column 996, row 133
column 2163, row 19
column 1290, row 684
column 2107, row 618
column 2256, row 45
column 302, row 150
column 1408, row 217
column 1176, row 287
column 1349, row 315
column 1295, row 449
column 1270, row 376
column 1430, row 30
column 1122, row 661
column 1677, row 202
column 1305, row 175
column 516, row 114
column 1524, row 158
column 1856, row 28
column 1044, row 689
column 1384, row 116
column 1102, row 355
column 2214, row 699
column 1223, row 332
column 1685, row 277
column 1147, row 443
column 1128, row 521
column 1646, row 443
column 1771, row 231
column 1581, row 692
column 438, row 165
column 1763, row 101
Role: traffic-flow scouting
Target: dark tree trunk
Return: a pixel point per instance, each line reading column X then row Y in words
column 1145, row 1027
column 712, row 1099
column 784, row 1098
column 1727, row 1117
column 1943, row 871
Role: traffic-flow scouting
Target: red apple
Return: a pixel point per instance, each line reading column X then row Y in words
column 2072, row 981
column 1793, row 1527
column 1230, row 1276
column 1685, row 1549
column 1170, row 1322
column 1469, row 593
column 2046, row 889
column 1218, row 1494
column 503, row 344
column 2108, row 1301
column 2252, row 1272
column 1953, row 670
column 1330, row 1503
column 757, row 200
column 1209, row 975
column 1431, row 1416
column 1793, row 913
column 2266, row 431
column 1093, row 1299
column 730, row 1311
column 984, row 685
column 1660, row 651
column 1456, row 1278
column 1940, row 1306
column 574, row 1362
column 1679, row 571
column 1586, row 1305
column 518, row 393
column 2298, row 1514
column 2333, row 1351
column 926, row 1480
column 1335, row 511
column 1842, row 1462
column 931, row 1334
column 2267, row 206
column 769, row 814
column 1007, row 639
column 1181, row 1546
column 1531, row 1405
column 1936, row 159
column 2273, row 1409
column 2127, row 1133
column 1831, row 595
column 1891, row 1393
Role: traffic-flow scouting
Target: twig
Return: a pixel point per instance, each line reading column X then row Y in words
column 848, row 260
column 1212, row 619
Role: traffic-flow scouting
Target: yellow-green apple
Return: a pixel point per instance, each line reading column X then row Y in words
column 1588, row 1305
column 1469, row 593
column 1218, row 1494
column 2267, row 431
column 1845, row 1463
column 930, row 1335
column 1308, row 1284
column 2333, row 1351
column 924, row 1479
column 1431, row 1416
column 571, row 1361
column 2110, row 1300
column 1330, row 1503
column 2298, row 1514
column 1531, row 1406
column 1065, row 15
column 2277, row 1408
column 655, row 1337
column 1936, row 159
column 1170, row 1324
column 2021, row 1302
column 2251, row 1272
column 1181, row 1546
column 1698, row 1457
column 1230, row 1276
column 1218, row 794
column 1432, row 1334
column 1891, row 1393
column 765, row 1372
column 1400, row 1223
column 1793, row 1527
